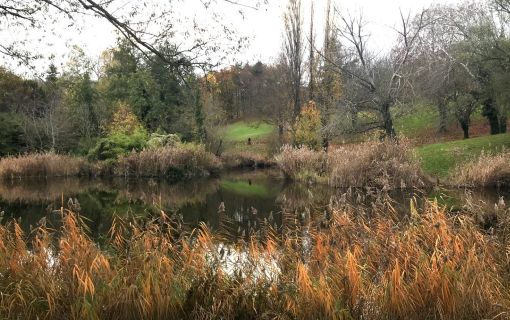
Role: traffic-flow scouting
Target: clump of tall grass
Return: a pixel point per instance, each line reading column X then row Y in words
column 43, row 165
column 245, row 159
column 302, row 163
column 431, row 266
column 179, row 161
column 489, row 170
column 381, row 164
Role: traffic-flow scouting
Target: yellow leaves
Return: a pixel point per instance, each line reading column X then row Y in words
column 124, row 120
column 308, row 127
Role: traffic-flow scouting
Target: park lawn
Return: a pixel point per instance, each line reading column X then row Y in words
column 415, row 122
column 242, row 130
column 441, row 159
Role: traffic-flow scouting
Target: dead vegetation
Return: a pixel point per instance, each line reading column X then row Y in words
column 430, row 265
column 381, row 164
column 43, row 165
column 182, row 161
column 489, row 170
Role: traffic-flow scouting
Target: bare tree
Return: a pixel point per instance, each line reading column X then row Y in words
column 293, row 51
column 145, row 24
column 377, row 83
column 311, row 58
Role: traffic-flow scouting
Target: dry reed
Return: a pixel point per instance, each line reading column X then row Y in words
column 487, row 171
column 43, row 165
column 430, row 266
column 381, row 164
column 171, row 161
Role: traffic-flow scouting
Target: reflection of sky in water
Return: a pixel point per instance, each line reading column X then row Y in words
column 250, row 199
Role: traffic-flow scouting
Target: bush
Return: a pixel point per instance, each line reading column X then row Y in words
column 117, row 144
column 125, row 134
column 158, row 140
column 180, row 161
column 487, row 171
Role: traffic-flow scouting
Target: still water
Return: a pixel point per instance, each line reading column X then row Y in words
column 248, row 197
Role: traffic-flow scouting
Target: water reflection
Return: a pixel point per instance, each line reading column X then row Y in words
column 235, row 204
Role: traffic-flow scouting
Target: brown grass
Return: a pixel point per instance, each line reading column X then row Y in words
column 487, row 171
column 43, row 165
column 432, row 266
column 245, row 159
column 184, row 160
column 381, row 164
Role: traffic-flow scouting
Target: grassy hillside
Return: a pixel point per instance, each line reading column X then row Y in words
column 440, row 159
column 235, row 140
column 242, row 130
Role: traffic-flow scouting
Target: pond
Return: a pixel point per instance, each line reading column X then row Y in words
column 235, row 203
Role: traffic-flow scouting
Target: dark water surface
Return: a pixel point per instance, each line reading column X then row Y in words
column 249, row 198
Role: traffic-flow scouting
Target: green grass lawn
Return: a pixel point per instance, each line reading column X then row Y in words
column 440, row 159
column 417, row 120
column 242, row 130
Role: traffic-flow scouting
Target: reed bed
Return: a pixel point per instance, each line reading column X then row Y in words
column 43, row 165
column 432, row 265
column 380, row 164
column 489, row 170
column 245, row 159
column 180, row 161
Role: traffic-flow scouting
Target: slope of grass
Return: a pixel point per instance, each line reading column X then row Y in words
column 242, row 130
column 441, row 158
column 421, row 118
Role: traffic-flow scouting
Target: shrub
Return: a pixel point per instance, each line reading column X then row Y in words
column 487, row 171
column 125, row 135
column 117, row 144
column 158, row 140
column 179, row 161
column 43, row 165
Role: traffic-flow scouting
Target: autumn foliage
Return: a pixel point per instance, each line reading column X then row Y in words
column 308, row 127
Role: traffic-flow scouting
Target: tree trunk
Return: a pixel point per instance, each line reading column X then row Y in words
column 491, row 113
column 388, row 122
column 465, row 128
column 502, row 124
column 443, row 116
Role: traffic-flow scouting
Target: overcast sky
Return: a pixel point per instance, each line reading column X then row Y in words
column 264, row 27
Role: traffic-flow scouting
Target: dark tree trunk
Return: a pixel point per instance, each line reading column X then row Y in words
column 491, row 113
column 465, row 128
column 443, row 116
column 502, row 124
column 388, row 122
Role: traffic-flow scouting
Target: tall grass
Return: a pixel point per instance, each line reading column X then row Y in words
column 431, row 266
column 43, row 165
column 380, row 164
column 489, row 170
column 183, row 160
